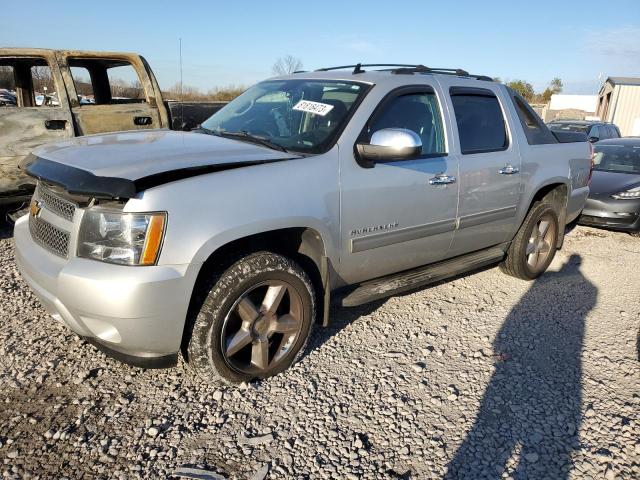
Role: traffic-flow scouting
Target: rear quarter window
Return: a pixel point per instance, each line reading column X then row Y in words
column 536, row 132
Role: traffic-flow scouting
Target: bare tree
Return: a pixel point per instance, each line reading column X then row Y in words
column 6, row 78
column 42, row 78
column 286, row 65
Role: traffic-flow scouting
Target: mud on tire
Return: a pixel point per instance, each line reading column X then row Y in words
column 236, row 308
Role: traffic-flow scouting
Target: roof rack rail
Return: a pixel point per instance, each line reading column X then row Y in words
column 357, row 68
column 408, row 69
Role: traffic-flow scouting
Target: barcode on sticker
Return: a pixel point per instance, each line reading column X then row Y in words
column 316, row 108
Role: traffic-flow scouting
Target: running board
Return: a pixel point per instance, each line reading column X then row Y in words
column 412, row 279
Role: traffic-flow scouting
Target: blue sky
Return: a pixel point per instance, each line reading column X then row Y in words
column 237, row 42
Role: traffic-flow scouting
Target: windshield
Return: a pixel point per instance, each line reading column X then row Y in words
column 299, row 115
column 571, row 127
column 617, row 158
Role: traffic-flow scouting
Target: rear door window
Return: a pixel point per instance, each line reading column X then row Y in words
column 481, row 125
column 100, row 81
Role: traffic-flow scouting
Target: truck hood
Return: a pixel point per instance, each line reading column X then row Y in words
column 118, row 165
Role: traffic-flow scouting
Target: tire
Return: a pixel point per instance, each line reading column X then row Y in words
column 527, row 258
column 254, row 322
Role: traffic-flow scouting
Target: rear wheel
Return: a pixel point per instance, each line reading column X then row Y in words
column 534, row 246
column 255, row 320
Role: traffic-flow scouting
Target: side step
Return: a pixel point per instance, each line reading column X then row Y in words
column 412, row 279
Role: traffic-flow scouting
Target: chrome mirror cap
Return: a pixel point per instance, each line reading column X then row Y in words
column 396, row 138
column 389, row 145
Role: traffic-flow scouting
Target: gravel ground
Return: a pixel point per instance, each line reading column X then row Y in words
column 481, row 377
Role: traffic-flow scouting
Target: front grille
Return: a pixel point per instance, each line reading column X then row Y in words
column 49, row 237
column 61, row 207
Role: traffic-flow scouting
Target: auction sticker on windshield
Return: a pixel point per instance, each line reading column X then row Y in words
column 316, row 108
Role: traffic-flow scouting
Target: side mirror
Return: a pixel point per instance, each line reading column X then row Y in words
column 593, row 139
column 389, row 145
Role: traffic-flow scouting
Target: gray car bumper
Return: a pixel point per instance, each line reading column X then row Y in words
column 135, row 314
column 607, row 212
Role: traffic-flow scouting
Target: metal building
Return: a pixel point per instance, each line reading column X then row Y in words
column 619, row 103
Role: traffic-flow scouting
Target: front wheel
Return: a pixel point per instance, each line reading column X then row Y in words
column 534, row 246
column 255, row 320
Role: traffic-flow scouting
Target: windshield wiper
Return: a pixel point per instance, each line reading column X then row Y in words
column 201, row 129
column 265, row 142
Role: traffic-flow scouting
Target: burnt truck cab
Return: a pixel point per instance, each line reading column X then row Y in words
column 52, row 95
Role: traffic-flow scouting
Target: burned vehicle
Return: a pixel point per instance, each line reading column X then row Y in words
column 228, row 242
column 49, row 95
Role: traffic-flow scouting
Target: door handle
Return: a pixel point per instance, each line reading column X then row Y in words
column 442, row 180
column 508, row 170
column 55, row 124
column 142, row 120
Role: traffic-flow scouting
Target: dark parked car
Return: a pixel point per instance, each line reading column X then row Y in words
column 614, row 200
column 7, row 98
column 596, row 131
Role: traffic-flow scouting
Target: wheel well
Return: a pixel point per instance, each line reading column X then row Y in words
column 556, row 194
column 303, row 245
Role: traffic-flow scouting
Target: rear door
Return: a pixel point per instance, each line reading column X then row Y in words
column 35, row 110
column 110, row 93
column 489, row 166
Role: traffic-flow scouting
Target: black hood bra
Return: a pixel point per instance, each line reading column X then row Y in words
column 80, row 182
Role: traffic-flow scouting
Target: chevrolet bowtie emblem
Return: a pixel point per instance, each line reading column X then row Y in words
column 35, row 208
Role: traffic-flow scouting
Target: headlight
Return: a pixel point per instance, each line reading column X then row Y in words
column 123, row 238
column 628, row 194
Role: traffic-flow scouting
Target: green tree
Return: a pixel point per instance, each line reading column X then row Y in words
column 523, row 88
column 555, row 86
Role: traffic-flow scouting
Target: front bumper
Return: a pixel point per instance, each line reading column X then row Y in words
column 606, row 212
column 135, row 314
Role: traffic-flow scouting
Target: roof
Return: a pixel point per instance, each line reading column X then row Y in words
column 624, row 80
column 375, row 76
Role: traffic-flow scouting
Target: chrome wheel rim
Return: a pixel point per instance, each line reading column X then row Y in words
column 540, row 245
column 262, row 327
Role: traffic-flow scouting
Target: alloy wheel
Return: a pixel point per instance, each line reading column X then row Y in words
column 540, row 245
column 262, row 327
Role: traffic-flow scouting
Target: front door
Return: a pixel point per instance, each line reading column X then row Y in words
column 392, row 217
column 33, row 110
column 110, row 94
column 489, row 170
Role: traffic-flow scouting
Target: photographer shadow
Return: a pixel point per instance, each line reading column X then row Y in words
column 529, row 419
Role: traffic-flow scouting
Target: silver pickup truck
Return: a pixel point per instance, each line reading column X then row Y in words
column 227, row 243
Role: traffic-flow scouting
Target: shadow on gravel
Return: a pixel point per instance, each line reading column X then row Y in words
column 6, row 224
column 529, row 418
column 6, row 229
column 340, row 318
